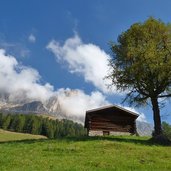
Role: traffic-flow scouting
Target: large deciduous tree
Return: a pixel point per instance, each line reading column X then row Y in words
column 141, row 64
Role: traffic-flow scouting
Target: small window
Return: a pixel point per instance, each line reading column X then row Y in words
column 106, row 133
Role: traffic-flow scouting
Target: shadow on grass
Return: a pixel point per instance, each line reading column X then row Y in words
column 25, row 141
column 129, row 139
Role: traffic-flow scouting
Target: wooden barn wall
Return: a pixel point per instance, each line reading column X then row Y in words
column 107, row 121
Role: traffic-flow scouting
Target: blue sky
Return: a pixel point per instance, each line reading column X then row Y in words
column 28, row 27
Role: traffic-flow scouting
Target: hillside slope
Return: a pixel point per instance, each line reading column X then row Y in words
column 98, row 153
column 13, row 136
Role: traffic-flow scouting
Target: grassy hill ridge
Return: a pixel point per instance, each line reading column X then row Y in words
column 6, row 136
column 120, row 153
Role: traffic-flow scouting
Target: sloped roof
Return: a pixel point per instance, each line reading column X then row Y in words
column 112, row 107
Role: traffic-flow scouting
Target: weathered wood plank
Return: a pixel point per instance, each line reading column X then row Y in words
column 111, row 119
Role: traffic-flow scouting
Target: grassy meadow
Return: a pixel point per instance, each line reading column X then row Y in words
column 14, row 136
column 121, row 153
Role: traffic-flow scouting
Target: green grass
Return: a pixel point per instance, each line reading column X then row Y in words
column 121, row 153
column 14, row 136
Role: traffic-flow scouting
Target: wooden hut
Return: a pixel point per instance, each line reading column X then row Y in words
column 110, row 120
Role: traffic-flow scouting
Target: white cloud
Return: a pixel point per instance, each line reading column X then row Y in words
column 76, row 102
column 32, row 38
column 21, row 82
column 87, row 60
column 142, row 117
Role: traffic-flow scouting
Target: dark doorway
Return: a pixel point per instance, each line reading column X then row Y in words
column 106, row 133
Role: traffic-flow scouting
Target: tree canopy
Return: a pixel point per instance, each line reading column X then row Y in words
column 141, row 64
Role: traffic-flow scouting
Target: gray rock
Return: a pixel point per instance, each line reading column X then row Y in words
column 144, row 128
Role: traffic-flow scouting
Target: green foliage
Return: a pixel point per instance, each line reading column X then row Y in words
column 6, row 120
column 40, row 125
column 142, row 60
column 166, row 129
column 1, row 121
column 17, row 123
column 120, row 153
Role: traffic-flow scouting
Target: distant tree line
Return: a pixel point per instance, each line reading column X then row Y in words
column 40, row 125
column 166, row 129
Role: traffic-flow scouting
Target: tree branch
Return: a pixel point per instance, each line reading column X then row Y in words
column 166, row 95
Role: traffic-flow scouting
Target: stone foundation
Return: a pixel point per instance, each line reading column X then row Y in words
column 104, row 133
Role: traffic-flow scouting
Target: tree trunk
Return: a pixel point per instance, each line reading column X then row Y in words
column 156, row 117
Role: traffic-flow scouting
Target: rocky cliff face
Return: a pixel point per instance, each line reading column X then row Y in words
column 144, row 128
column 51, row 107
column 32, row 107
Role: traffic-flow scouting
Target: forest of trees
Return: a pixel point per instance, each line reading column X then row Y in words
column 166, row 129
column 34, row 124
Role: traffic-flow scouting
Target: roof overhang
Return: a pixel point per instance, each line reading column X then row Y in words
column 114, row 107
